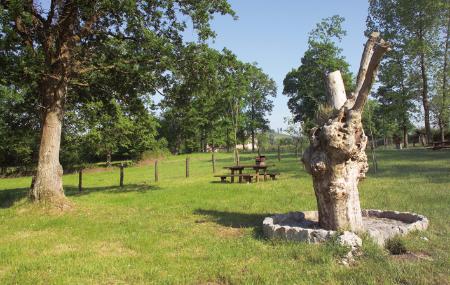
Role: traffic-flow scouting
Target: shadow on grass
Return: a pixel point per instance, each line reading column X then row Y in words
column 236, row 220
column 9, row 196
column 139, row 188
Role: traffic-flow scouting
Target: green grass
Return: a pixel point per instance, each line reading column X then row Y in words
column 195, row 231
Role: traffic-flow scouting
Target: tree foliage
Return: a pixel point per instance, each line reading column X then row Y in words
column 305, row 86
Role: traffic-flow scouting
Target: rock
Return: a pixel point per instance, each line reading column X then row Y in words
column 351, row 240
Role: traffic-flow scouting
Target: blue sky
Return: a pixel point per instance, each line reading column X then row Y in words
column 274, row 34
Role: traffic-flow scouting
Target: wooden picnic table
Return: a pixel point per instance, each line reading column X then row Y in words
column 240, row 168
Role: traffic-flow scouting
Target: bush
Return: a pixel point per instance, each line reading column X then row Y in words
column 396, row 246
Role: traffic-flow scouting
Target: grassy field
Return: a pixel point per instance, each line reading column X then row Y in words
column 198, row 231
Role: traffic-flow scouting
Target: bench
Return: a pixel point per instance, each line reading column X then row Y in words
column 440, row 145
column 247, row 177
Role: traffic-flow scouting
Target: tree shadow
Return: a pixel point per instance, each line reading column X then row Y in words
column 139, row 188
column 9, row 196
column 433, row 174
column 236, row 220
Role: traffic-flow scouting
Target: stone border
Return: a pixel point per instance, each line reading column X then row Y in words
column 306, row 228
column 410, row 222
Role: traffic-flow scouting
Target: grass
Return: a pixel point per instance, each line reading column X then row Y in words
column 197, row 231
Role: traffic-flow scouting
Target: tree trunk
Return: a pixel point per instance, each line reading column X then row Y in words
column 336, row 157
column 442, row 117
column 425, row 99
column 253, row 140
column 48, row 186
column 108, row 158
column 405, row 137
column 336, row 167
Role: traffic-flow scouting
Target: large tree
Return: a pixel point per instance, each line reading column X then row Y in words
column 259, row 102
column 305, row 86
column 66, row 39
column 412, row 29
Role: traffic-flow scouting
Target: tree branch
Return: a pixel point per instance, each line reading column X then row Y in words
column 365, row 59
column 379, row 49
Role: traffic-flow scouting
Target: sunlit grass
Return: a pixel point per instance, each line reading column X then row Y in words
column 195, row 230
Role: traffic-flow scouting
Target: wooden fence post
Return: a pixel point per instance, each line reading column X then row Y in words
column 279, row 154
column 156, row 171
column 80, row 180
column 121, row 174
column 213, row 162
column 187, row 167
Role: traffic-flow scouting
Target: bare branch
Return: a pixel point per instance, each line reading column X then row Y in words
column 379, row 50
column 336, row 89
column 365, row 59
column 87, row 27
column 51, row 13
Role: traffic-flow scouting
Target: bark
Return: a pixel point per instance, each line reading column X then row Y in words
column 425, row 99
column 336, row 157
column 405, row 137
column 442, row 122
column 253, row 140
column 48, row 187
column 336, row 90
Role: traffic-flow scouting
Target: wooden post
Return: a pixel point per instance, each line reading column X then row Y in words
column 187, row 167
column 80, row 180
column 213, row 162
column 156, row 171
column 121, row 174
column 279, row 154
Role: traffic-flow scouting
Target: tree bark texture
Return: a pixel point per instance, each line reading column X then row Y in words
column 48, row 185
column 336, row 157
column 425, row 99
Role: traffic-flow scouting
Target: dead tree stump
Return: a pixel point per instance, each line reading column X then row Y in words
column 336, row 157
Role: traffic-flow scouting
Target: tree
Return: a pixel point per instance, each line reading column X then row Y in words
column 397, row 92
column 336, row 157
column 261, row 88
column 411, row 27
column 295, row 130
column 67, row 39
column 305, row 86
column 440, row 104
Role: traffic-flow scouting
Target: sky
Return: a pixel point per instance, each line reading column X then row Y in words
column 275, row 33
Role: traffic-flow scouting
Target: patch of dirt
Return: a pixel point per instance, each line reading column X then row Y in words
column 412, row 256
column 229, row 232
column 148, row 161
column 109, row 249
column 4, row 270
column 63, row 248
column 28, row 234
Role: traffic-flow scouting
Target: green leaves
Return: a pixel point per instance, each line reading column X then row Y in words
column 305, row 86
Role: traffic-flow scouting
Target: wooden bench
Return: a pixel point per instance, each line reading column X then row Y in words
column 440, row 145
column 247, row 177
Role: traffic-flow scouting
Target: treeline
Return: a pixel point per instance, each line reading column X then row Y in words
column 210, row 100
column 413, row 78
column 215, row 101
column 95, row 81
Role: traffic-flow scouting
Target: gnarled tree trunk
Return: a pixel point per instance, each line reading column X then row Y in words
column 336, row 157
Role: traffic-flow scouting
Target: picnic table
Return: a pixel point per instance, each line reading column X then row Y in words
column 239, row 169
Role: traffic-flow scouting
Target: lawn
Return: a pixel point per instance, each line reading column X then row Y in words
column 197, row 231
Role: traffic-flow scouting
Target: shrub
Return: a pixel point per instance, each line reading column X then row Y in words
column 396, row 246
